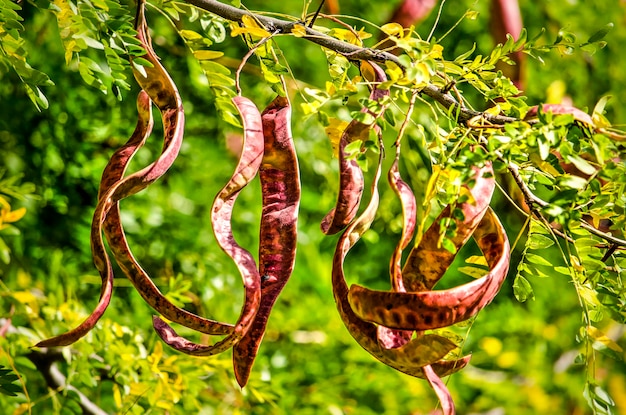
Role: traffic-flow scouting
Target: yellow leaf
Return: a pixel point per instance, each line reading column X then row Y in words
column 477, row 260
column 25, row 297
column 205, row 55
column 23, row 408
column 367, row 71
column 14, row 216
column 393, row 70
column 330, row 88
column 436, row 52
column 335, row 130
column 393, row 29
column 599, row 336
column 431, row 186
column 4, row 204
column 298, row 30
column 252, row 31
column 350, row 36
column 117, row 396
column 252, row 27
column 190, row 35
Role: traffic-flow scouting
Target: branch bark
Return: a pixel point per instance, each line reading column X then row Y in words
column 45, row 362
column 350, row 51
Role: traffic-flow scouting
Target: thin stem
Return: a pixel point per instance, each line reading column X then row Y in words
column 432, row 31
column 246, row 57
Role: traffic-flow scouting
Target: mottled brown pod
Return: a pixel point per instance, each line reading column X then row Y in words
column 426, row 310
column 221, row 213
column 351, row 181
column 280, row 188
column 101, row 260
column 408, row 358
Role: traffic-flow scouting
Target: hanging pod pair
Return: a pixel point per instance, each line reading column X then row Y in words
column 268, row 149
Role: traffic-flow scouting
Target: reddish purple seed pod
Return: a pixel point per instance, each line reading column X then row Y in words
column 280, row 187
column 351, row 181
column 221, row 214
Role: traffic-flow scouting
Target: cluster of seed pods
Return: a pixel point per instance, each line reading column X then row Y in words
column 268, row 150
column 393, row 326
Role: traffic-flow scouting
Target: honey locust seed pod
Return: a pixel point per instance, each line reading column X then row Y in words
column 280, row 187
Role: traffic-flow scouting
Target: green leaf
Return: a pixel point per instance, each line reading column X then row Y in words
column 7, row 387
column 536, row 241
column 600, row 34
column 522, row 289
column 353, row 148
column 581, row 164
column 537, row 260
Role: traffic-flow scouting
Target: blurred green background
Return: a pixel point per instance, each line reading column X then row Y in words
column 523, row 353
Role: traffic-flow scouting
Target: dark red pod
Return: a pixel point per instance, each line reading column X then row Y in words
column 221, row 213
column 427, row 262
column 351, row 180
column 426, row 310
column 280, row 186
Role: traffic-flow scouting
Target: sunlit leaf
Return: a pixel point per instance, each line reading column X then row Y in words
column 522, row 289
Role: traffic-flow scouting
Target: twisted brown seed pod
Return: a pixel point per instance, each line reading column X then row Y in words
column 426, row 310
column 221, row 213
column 101, row 259
column 351, row 180
column 280, row 187
column 165, row 93
column 409, row 358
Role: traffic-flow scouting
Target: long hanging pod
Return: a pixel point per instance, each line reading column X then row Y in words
column 221, row 213
column 101, row 259
column 113, row 229
column 280, row 188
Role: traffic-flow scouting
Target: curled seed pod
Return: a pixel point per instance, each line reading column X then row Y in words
column 422, row 271
column 389, row 338
column 350, row 175
column 101, row 259
column 162, row 90
column 409, row 358
column 447, row 404
column 221, row 213
column 280, row 186
column 108, row 212
column 426, row 310
column 427, row 262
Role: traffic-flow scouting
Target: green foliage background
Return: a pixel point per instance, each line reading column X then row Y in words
column 523, row 353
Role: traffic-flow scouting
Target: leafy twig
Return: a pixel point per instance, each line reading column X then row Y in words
column 533, row 200
column 346, row 49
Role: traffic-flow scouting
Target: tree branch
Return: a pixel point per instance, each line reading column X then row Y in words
column 533, row 200
column 348, row 50
column 45, row 362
